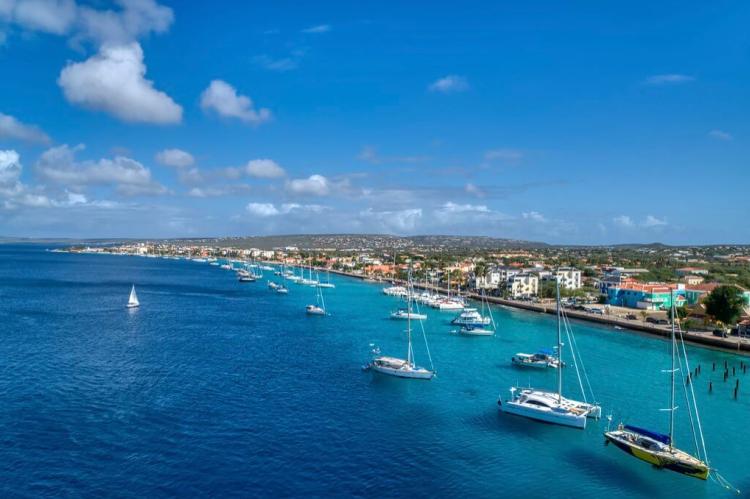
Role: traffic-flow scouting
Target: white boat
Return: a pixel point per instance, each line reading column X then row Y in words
column 404, row 314
column 547, row 405
column 470, row 317
column 272, row 285
column 448, row 304
column 403, row 368
column 539, row 360
column 133, row 299
column 328, row 284
column 399, row 291
column 320, row 306
column 282, row 290
column 474, row 331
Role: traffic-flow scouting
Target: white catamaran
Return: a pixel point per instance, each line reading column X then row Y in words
column 133, row 299
column 550, row 406
column 403, row 368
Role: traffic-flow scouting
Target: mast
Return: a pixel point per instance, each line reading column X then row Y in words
column 408, row 317
column 671, row 399
column 559, row 341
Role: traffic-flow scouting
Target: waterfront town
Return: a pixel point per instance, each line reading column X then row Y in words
column 631, row 284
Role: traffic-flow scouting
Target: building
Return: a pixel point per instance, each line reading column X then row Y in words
column 648, row 296
column 523, row 285
column 569, row 277
column 692, row 280
column 691, row 271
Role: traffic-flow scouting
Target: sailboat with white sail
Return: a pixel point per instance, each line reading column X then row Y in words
column 474, row 323
column 133, row 299
column 403, row 368
column 550, row 406
column 659, row 449
column 328, row 283
column 320, row 305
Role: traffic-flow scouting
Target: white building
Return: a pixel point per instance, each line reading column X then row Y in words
column 570, row 278
column 523, row 285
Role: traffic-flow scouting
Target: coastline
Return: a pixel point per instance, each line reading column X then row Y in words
column 702, row 338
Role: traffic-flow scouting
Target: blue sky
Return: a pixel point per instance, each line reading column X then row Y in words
column 566, row 123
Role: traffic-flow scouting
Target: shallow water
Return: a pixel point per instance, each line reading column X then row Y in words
column 213, row 387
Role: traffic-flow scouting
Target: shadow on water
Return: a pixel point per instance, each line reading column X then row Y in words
column 610, row 472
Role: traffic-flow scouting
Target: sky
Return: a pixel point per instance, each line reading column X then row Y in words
column 562, row 122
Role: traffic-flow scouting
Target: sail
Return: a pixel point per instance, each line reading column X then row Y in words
column 133, row 300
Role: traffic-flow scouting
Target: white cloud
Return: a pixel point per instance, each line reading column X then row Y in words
column 11, row 128
column 652, row 221
column 397, row 220
column 128, row 176
column 270, row 210
column 282, row 64
column 264, row 168
column 217, row 191
column 175, row 157
column 720, row 135
column 316, row 185
column 222, row 98
column 449, row 84
column 451, row 207
column 503, row 155
column 137, row 18
column 10, row 168
column 668, row 79
column 623, row 221
column 50, row 16
column 320, row 28
column 262, row 209
column 114, row 81
column 534, row 216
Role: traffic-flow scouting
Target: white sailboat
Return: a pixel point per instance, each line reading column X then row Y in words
column 403, row 368
column 320, row 305
column 473, row 323
column 328, row 283
column 550, row 406
column 133, row 299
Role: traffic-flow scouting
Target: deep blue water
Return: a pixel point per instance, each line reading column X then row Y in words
column 224, row 389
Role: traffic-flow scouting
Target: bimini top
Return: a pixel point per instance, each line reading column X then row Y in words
column 659, row 437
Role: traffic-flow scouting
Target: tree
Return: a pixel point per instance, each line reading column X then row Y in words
column 725, row 304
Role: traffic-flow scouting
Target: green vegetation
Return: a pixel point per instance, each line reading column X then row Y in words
column 725, row 304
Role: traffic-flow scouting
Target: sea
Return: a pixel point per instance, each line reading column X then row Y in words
column 216, row 388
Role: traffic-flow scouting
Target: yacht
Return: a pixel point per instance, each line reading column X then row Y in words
column 470, row 317
column 399, row 291
column 467, row 330
column 540, row 360
column 404, row 314
column 547, row 405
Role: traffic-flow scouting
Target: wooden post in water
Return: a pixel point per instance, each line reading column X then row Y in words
column 710, row 387
column 714, row 366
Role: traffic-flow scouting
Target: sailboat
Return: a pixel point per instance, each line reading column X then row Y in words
column 473, row 323
column 328, row 283
column 133, row 299
column 320, row 305
column 659, row 449
column 403, row 368
column 550, row 406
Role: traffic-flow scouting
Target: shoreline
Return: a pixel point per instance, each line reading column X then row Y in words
column 731, row 344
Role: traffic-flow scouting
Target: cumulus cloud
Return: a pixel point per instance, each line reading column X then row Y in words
column 652, row 221
column 449, row 84
column 397, row 220
column 114, row 81
column 320, row 28
column 58, row 165
column 217, row 191
column 534, row 216
column 10, row 168
column 451, row 207
column 720, row 135
column 11, row 128
column 623, row 221
column 264, row 168
column 314, row 185
column 175, row 157
column 668, row 79
column 135, row 19
column 222, row 98
column 49, row 16
column 270, row 210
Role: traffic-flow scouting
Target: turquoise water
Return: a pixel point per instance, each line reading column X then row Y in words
column 219, row 388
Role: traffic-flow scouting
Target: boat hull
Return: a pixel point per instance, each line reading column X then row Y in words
column 679, row 462
column 548, row 416
column 403, row 373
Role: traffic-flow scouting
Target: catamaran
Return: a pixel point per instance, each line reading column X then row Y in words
column 320, row 305
column 550, row 406
column 133, row 299
column 403, row 368
column 659, row 449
